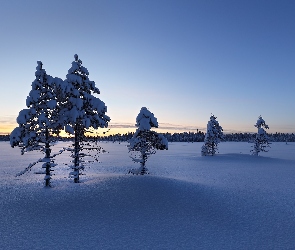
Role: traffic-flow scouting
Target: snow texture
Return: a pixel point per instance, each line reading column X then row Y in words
column 230, row 201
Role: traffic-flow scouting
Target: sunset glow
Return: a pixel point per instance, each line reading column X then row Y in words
column 182, row 60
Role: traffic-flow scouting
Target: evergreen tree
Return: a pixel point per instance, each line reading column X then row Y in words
column 261, row 141
column 144, row 141
column 81, row 111
column 38, row 123
column 213, row 136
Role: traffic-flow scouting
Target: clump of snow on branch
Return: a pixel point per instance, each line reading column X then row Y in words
column 261, row 141
column 213, row 136
column 145, row 142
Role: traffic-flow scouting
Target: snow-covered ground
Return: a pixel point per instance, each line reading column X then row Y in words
column 230, row 201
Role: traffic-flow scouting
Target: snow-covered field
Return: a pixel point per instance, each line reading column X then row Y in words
column 230, row 201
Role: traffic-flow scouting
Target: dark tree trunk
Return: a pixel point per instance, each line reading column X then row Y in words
column 47, row 155
column 143, row 168
column 76, row 154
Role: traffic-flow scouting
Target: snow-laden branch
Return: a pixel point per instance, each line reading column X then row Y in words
column 28, row 168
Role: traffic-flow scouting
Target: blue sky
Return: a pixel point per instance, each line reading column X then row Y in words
column 181, row 59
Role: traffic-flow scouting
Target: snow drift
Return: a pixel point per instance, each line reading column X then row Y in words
column 229, row 201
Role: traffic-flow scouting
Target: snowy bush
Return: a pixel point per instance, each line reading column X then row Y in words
column 213, row 136
column 261, row 141
column 145, row 142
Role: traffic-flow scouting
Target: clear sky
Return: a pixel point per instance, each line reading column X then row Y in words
column 183, row 60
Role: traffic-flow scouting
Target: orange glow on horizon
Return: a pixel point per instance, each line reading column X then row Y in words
column 6, row 129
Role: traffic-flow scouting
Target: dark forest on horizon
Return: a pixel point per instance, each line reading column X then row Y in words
column 185, row 137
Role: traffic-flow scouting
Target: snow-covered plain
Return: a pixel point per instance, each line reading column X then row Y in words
column 229, row 201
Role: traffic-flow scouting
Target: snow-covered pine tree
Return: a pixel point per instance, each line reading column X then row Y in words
column 144, row 141
column 81, row 110
column 38, row 123
column 213, row 136
column 261, row 140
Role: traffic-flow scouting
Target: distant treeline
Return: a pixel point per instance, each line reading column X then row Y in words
column 4, row 137
column 200, row 136
column 190, row 137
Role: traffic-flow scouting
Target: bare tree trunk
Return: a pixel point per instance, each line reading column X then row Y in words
column 143, row 168
column 76, row 154
column 47, row 156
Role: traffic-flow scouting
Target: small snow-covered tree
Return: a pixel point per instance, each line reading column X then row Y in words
column 261, row 141
column 144, row 141
column 213, row 136
column 81, row 110
column 38, row 123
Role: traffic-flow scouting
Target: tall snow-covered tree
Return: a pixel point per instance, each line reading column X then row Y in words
column 81, row 110
column 261, row 141
column 213, row 136
column 145, row 142
column 38, row 123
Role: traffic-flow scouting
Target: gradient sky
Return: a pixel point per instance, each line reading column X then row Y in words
column 181, row 59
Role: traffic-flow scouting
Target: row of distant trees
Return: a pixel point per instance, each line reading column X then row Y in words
column 198, row 136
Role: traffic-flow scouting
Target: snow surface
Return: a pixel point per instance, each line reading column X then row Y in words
column 232, row 200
